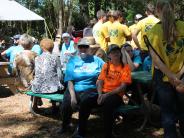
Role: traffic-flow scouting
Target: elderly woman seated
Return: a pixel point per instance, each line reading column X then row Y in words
column 81, row 74
column 23, row 65
column 48, row 75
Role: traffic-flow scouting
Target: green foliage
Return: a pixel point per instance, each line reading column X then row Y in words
column 48, row 9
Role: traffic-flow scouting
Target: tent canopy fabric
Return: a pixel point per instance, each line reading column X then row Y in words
column 11, row 10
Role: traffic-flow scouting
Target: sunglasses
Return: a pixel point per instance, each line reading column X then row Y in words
column 83, row 46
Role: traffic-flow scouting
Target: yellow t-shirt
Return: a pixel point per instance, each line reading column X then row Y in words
column 100, row 33
column 144, row 26
column 132, row 28
column 173, row 56
column 118, row 33
column 96, row 31
column 106, row 26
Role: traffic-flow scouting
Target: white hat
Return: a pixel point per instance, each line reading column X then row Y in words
column 65, row 35
column 138, row 16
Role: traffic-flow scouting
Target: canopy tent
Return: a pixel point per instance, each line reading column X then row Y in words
column 11, row 10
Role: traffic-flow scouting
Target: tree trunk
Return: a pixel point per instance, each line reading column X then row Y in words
column 84, row 12
column 97, row 6
column 60, row 16
column 70, row 9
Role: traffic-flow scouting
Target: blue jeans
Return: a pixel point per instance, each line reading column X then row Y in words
column 171, row 104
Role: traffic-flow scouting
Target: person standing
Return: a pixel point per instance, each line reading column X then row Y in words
column 118, row 32
column 144, row 26
column 167, row 52
column 137, row 18
column 68, row 50
column 12, row 51
column 97, row 30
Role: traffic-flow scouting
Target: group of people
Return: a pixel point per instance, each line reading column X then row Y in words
column 96, row 70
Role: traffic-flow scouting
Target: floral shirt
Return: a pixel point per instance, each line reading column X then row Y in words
column 47, row 74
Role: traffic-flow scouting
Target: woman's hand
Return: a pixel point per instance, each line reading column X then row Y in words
column 102, row 97
column 173, row 79
column 73, row 102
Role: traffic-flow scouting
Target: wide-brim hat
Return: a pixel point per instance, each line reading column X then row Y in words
column 88, row 41
column 92, row 42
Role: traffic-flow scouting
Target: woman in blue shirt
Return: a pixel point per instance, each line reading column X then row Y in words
column 81, row 75
column 68, row 50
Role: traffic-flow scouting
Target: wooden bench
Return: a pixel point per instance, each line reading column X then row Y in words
column 55, row 97
column 139, row 78
column 124, row 109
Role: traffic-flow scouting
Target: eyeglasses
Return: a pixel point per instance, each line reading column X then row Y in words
column 83, row 46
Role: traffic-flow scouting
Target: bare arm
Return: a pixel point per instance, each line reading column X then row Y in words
column 179, row 74
column 158, row 63
column 3, row 53
column 71, row 89
column 134, row 37
column 121, row 88
column 99, row 84
column 126, row 59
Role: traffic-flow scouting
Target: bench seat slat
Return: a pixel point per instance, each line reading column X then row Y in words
column 127, row 108
column 54, row 97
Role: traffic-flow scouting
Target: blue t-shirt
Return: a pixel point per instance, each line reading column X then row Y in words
column 84, row 72
column 147, row 63
column 37, row 49
column 11, row 53
column 137, row 59
column 65, row 53
column 68, row 48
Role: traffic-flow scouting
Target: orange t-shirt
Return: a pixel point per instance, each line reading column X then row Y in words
column 115, row 77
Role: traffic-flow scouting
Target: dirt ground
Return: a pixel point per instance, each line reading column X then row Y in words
column 17, row 122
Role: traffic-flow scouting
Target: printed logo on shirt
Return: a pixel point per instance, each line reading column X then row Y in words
column 113, row 33
column 96, row 33
column 86, row 67
column 173, row 51
column 148, row 27
column 114, row 75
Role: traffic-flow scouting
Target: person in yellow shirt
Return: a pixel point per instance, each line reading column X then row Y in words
column 105, row 30
column 101, row 16
column 97, row 30
column 167, row 50
column 118, row 32
column 143, row 26
column 121, row 19
column 137, row 18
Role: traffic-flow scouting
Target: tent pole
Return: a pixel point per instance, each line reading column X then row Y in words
column 47, row 30
column 45, row 24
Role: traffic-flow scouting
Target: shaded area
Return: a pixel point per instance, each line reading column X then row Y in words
column 5, row 92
